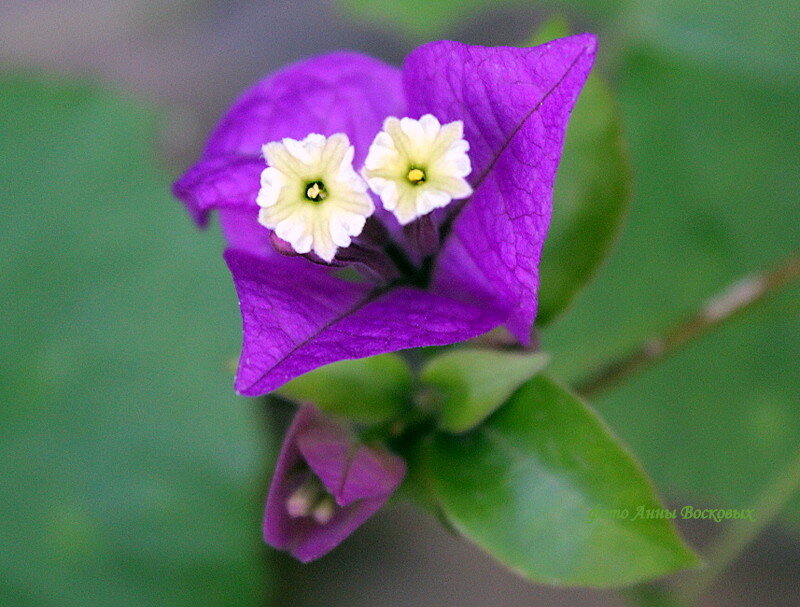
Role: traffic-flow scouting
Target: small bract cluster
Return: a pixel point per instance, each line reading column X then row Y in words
column 312, row 197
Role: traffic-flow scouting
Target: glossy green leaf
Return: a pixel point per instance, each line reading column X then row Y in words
column 129, row 473
column 538, row 485
column 591, row 196
column 367, row 390
column 471, row 384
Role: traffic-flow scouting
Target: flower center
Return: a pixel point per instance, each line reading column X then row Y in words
column 316, row 191
column 311, row 499
column 416, row 176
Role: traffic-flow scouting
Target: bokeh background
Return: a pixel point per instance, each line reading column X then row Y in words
column 129, row 472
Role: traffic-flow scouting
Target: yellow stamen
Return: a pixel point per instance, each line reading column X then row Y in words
column 416, row 176
column 316, row 192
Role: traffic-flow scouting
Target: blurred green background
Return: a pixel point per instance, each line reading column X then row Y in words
column 131, row 474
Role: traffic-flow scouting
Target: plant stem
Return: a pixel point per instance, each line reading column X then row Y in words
column 735, row 299
column 738, row 535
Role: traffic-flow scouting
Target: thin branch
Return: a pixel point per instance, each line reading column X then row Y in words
column 735, row 299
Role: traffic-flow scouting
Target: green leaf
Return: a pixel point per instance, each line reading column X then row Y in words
column 471, row 384
column 535, row 486
column 129, row 474
column 591, row 196
column 367, row 390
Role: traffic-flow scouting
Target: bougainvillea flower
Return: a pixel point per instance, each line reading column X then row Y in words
column 416, row 166
column 448, row 275
column 302, row 175
column 325, row 486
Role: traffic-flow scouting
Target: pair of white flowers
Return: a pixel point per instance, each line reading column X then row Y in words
column 312, row 197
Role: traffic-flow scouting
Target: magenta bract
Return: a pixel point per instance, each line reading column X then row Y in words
column 483, row 272
column 325, row 486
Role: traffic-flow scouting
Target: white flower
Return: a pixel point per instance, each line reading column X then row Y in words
column 310, row 194
column 416, row 166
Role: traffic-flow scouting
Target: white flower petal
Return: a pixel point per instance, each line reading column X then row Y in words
column 412, row 128
column 430, row 125
column 272, row 182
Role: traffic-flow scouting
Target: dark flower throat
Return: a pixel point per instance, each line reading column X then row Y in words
column 316, row 191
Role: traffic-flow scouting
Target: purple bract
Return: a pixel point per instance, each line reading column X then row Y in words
column 460, row 271
column 325, row 486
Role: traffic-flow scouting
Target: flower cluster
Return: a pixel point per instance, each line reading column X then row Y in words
column 313, row 198
column 480, row 125
column 399, row 208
